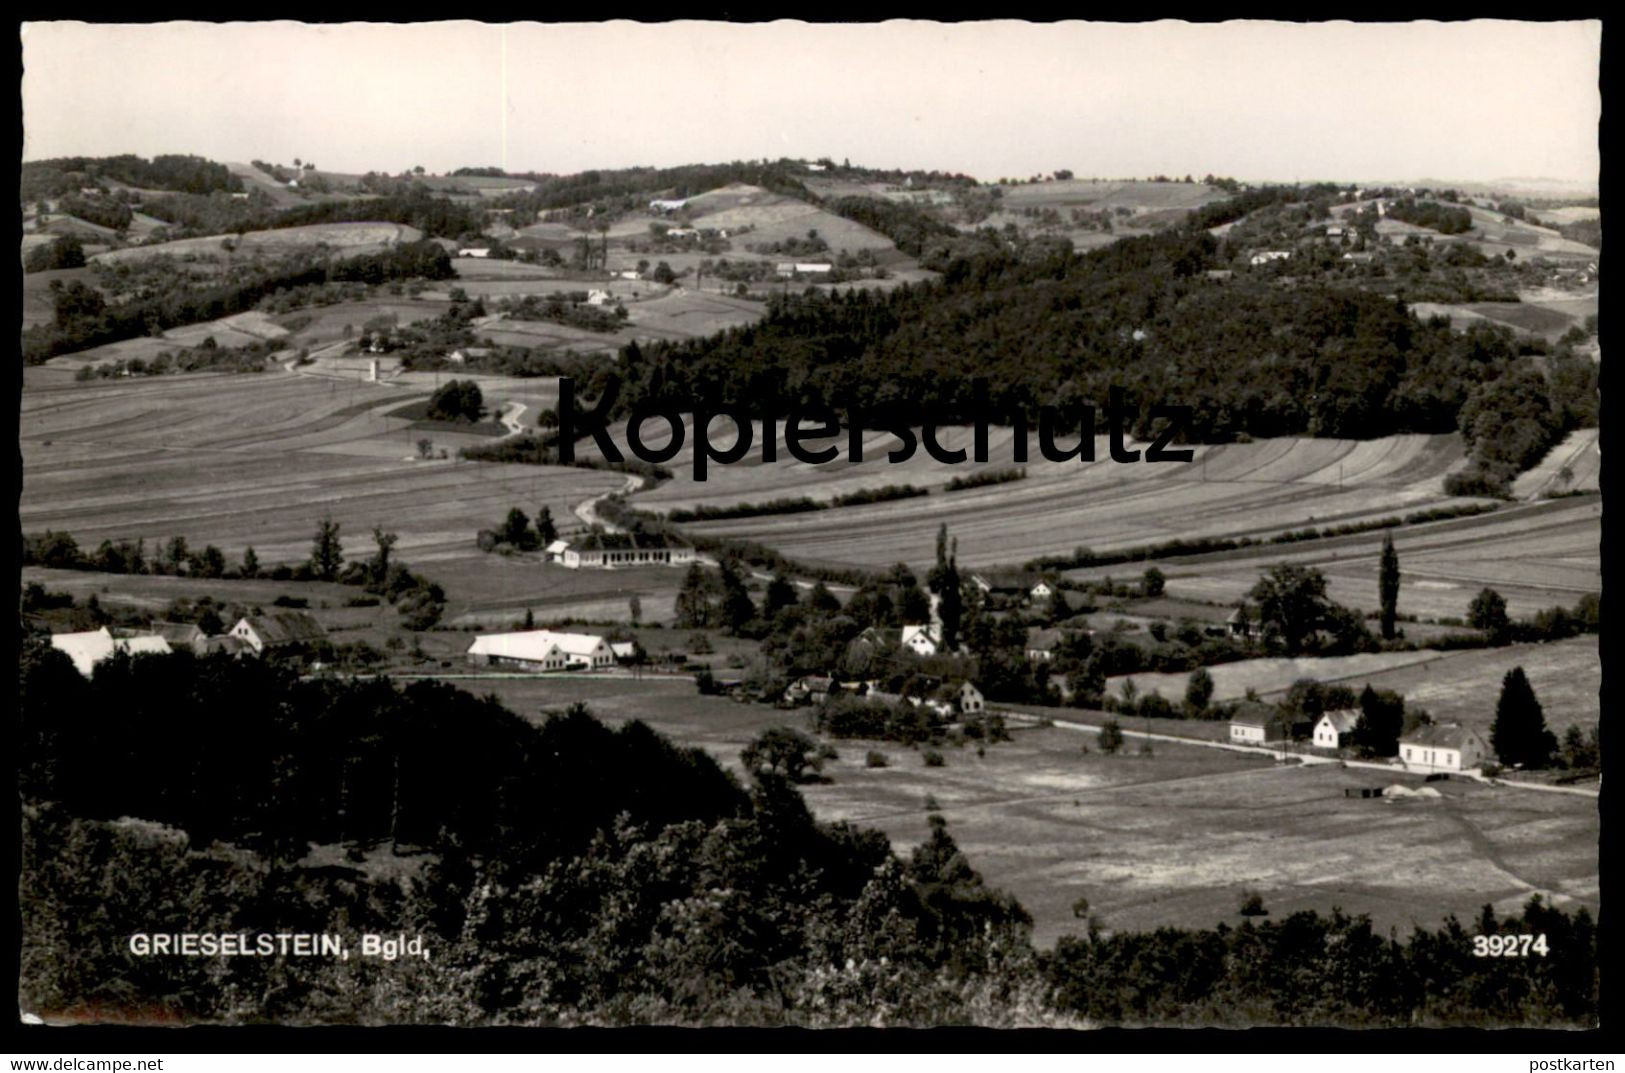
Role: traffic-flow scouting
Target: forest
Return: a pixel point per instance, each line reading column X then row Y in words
column 566, row 872
column 1054, row 328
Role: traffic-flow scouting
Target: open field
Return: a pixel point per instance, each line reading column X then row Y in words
column 774, row 218
column 37, row 305
column 1496, row 233
column 1097, row 194
column 1231, row 681
column 1168, row 839
column 1568, row 214
column 1232, row 490
column 1463, row 686
column 1573, row 465
column 257, row 459
column 350, row 238
column 1536, row 555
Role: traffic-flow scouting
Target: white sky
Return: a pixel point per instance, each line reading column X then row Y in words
column 1466, row 101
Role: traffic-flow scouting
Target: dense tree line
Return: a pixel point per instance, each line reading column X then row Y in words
column 578, row 872
column 85, row 318
column 1045, row 326
column 1445, row 219
column 102, row 211
column 185, row 174
column 1334, row 970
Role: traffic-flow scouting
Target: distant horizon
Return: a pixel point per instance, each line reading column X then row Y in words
column 1256, row 101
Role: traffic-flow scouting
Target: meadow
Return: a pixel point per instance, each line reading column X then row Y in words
column 1171, row 838
column 258, row 459
column 1255, row 489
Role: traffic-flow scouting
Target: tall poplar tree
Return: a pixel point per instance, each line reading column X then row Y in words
column 1388, row 586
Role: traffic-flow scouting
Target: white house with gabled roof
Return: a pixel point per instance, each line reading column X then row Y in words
column 1443, row 747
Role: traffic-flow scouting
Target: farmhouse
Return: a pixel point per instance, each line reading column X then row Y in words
column 1258, row 724
column 1335, row 729
column 921, row 640
column 1443, row 747
column 667, row 204
column 598, row 297
column 1264, row 257
column 605, row 551
column 91, row 647
column 624, row 651
column 474, row 251
column 630, row 273
column 278, row 630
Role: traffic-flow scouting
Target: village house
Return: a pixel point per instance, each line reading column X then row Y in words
column 813, row 688
column 667, row 204
column 1443, row 747
column 606, row 551
column 1010, row 584
column 93, row 646
column 1335, row 730
column 225, row 643
column 180, row 635
column 1256, row 723
column 1243, row 625
column 1264, row 257
column 683, row 232
column 1041, row 644
column 542, row 650
column 278, row 630
column 461, row 355
column 800, row 268
column 921, row 640
column 630, row 273
column 598, row 297
column 474, row 251
column 624, row 651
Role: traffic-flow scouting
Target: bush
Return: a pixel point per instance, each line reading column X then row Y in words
column 875, row 758
column 933, row 758
column 1252, row 905
column 290, row 601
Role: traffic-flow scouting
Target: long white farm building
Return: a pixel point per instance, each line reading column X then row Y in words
column 542, row 650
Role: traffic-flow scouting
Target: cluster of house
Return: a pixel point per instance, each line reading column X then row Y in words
column 949, row 698
column 549, row 650
column 601, row 550
column 252, row 635
column 1434, row 747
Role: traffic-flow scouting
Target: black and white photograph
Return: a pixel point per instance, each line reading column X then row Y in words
column 809, row 525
